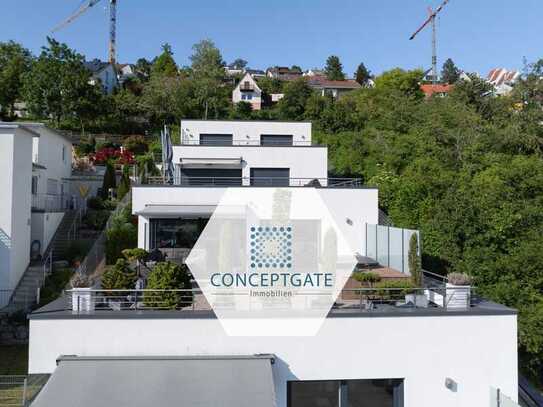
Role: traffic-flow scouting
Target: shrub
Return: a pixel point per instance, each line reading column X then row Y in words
column 136, row 144
column 124, row 183
column 54, row 284
column 459, row 279
column 96, row 219
column 77, row 251
column 400, row 287
column 109, row 181
column 413, row 260
column 95, row 202
column 119, row 277
column 168, row 276
column 80, row 281
column 367, row 277
column 122, row 235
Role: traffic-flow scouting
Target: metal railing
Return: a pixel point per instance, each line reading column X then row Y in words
column 50, row 203
column 248, row 142
column 20, row 390
column 260, row 182
column 85, row 301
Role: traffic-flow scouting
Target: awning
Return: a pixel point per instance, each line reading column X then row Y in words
column 176, row 210
column 211, row 162
column 203, row 381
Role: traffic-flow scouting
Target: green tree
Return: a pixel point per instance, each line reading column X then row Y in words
column 122, row 234
column 450, row 73
column 296, row 68
column 164, row 63
column 169, row 276
column 208, row 73
column 292, row 106
column 334, row 69
column 58, row 86
column 239, row 63
column 124, row 183
column 118, row 277
column 143, row 69
column 145, row 165
column 407, row 82
column 241, row 111
column 362, row 74
column 413, row 260
column 15, row 62
column 109, row 181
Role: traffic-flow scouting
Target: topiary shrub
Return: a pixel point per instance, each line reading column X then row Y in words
column 399, row 288
column 109, row 182
column 119, row 277
column 124, row 183
column 367, row 277
column 168, row 276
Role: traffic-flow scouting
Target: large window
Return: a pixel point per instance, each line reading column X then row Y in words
column 175, row 233
column 52, row 186
column 275, row 177
column 216, row 139
column 275, row 139
column 211, row 176
column 346, row 393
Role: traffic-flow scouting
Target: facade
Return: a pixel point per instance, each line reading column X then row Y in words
column 386, row 352
column 248, row 91
column 38, row 165
column 103, row 73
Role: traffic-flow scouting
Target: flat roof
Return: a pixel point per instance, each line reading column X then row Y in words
column 18, row 125
column 43, row 125
column 58, row 309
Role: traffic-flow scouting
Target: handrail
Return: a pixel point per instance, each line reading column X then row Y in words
column 260, row 182
column 248, row 142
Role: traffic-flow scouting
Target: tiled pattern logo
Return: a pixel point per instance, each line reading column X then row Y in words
column 271, row 247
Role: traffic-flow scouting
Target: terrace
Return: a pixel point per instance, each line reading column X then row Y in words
column 180, row 180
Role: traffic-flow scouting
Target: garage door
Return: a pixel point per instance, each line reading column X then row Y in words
column 211, row 176
column 276, row 177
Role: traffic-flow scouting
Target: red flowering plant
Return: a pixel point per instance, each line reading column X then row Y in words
column 116, row 155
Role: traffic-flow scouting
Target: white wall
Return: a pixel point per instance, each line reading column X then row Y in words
column 47, row 151
column 475, row 351
column 44, row 226
column 304, row 162
column 15, row 183
column 358, row 206
column 244, row 131
column 256, row 95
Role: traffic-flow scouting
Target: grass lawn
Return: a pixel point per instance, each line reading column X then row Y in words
column 13, row 359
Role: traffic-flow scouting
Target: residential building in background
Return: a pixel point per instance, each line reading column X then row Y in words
column 104, row 73
column 283, row 72
column 37, row 163
column 435, row 345
column 247, row 90
column 334, row 88
column 439, row 89
column 503, row 80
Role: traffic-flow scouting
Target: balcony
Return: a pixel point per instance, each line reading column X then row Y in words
column 50, row 203
column 249, row 142
column 257, row 182
column 246, row 87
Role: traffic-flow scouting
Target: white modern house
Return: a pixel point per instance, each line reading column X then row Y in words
column 380, row 352
column 247, row 90
column 36, row 164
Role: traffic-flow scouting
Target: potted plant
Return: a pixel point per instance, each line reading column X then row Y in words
column 82, row 295
column 458, row 289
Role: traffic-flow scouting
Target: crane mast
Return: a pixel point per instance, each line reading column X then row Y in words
column 112, row 31
column 432, row 21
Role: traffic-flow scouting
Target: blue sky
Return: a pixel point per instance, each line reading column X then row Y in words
column 477, row 34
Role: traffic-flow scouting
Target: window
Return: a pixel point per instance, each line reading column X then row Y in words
column 34, row 184
column 346, row 393
column 246, row 96
column 275, row 139
column 216, row 139
column 211, row 176
column 63, row 154
column 52, row 186
column 273, row 177
column 175, row 233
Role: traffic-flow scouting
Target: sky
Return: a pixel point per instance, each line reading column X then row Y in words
column 477, row 34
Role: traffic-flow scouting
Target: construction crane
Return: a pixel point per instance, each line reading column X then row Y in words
column 87, row 4
column 432, row 20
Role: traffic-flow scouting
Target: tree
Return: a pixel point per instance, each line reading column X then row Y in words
column 15, row 62
column 118, row 277
column 242, row 110
column 58, row 86
column 239, row 63
column 207, row 73
column 334, row 69
column 406, row 82
column 109, row 181
column 362, row 74
column 124, row 183
column 143, row 69
column 292, row 105
column 450, row 73
column 414, row 261
column 296, row 68
column 169, row 276
column 165, row 64
column 146, row 167
column 121, row 235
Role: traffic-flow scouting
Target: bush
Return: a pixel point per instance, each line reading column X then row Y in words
column 96, row 219
column 124, row 183
column 459, row 279
column 367, row 277
column 122, row 235
column 401, row 288
column 413, row 259
column 77, row 251
column 119, row 277
column 109, row 182
column 54, row 284
column 95, row 203
column 168, row 276
column 136, row 144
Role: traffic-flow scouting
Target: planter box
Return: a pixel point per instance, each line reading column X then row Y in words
column 458, row 296
column 83, row 300
column 419, row 300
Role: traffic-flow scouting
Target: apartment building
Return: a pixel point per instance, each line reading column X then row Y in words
column 375, row 349
column 36, row 163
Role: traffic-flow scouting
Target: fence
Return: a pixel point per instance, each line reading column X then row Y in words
column 13, row 390
column 498, row 399
column 259, row 181
column 50, row 203
column 95, row 258
column 390, row 246
column 443, row 299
